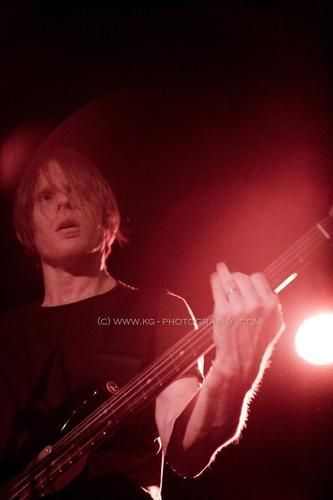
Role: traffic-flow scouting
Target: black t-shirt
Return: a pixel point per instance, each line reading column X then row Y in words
column 50, row 353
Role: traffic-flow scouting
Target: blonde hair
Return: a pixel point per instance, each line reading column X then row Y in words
column 87, row 183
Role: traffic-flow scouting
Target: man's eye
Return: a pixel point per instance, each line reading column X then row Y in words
column 46, row 196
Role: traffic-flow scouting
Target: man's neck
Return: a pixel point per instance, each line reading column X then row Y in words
column 66, row 285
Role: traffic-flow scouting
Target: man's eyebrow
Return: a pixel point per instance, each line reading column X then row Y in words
column 43, row 190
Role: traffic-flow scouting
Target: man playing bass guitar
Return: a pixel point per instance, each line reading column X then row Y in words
column 90, row 327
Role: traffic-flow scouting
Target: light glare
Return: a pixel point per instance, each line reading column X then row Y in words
column 314, row 339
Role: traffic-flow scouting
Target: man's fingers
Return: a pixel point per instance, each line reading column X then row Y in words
column 219, row 295
column 231, row 289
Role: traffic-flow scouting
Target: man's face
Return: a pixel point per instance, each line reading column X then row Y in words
column 63, row 228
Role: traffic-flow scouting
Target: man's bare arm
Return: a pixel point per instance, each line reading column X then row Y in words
column 194, row 423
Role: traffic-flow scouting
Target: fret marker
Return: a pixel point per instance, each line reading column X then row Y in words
column 323, row 231
column 112, row 387
column 181, row 353
column 285, row 282
column 45, row 452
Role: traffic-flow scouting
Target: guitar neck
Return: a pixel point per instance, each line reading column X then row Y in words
column 144, row 388
column 284, row 269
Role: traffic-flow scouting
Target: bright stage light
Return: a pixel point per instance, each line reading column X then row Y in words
column 314, row 339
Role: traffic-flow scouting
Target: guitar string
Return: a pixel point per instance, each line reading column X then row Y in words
column 80, row 434
column 290, row 256
column 311, row 236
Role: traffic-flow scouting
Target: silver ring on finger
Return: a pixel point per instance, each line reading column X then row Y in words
column 232, row 290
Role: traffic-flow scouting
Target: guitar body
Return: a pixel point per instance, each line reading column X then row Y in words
column 38, row 448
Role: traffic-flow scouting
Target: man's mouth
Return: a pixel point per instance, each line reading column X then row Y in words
column 67, row 224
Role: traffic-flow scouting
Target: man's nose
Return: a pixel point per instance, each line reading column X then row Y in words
column 64, row 200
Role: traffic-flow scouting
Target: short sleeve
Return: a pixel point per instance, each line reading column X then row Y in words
column 174, row 319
